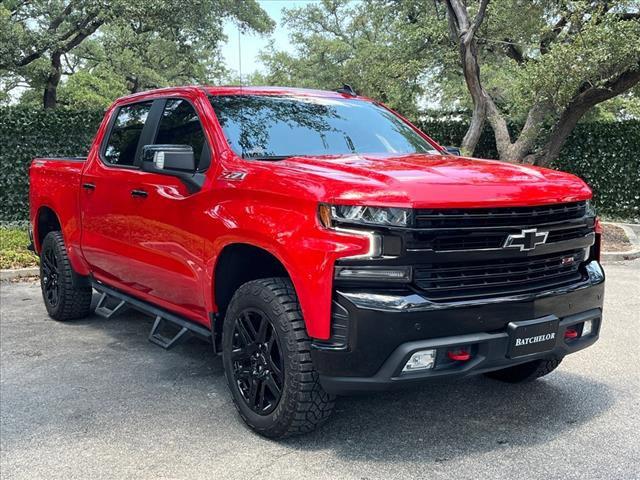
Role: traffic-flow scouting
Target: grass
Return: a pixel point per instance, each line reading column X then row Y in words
column 13, row 249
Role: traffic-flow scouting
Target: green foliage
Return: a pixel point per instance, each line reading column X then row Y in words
column 604, row 154
column 379, row 48
column 13, row 249
column 29, row 132
column 91, row 89
column 116, row 46
column 531, row 53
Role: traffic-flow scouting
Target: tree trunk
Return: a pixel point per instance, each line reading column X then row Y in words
column 576, row 109
column 463, row 32
column 53, row 80
column 468, row 55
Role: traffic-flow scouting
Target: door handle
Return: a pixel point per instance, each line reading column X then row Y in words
column 89, row 186
column 139, row 193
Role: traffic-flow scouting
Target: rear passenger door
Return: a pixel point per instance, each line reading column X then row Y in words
column 105, row 193
column 166, row 239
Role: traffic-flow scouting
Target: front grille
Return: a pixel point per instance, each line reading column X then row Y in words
column 488, row 228
column 448, row 242
column 459, row 254
column 498, row 217
column 491, row 278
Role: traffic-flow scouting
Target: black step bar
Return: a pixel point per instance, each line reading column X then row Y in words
column 113, row 302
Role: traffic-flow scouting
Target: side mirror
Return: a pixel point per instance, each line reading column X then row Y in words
column 453, row 150
column 174, row 160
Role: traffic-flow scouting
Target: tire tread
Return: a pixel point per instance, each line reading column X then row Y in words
column 308, row 405
column 75, row 301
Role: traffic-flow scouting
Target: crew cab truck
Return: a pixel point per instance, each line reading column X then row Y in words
column 323, row 245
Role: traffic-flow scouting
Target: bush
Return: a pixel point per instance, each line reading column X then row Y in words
column 606, row 155
column 13, row 249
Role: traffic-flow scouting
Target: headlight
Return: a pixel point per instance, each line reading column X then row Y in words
column 591, row 209
column 358, row 214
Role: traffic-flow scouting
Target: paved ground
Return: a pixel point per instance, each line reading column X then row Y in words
column 94, row 399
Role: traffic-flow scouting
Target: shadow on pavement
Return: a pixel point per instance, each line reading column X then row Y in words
column 435, row 423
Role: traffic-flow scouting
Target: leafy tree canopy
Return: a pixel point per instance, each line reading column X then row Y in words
column 127, row 45
column 536, row 63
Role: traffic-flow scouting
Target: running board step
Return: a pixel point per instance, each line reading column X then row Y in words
column 113, row 302
column 108, row 306
column 165, row 342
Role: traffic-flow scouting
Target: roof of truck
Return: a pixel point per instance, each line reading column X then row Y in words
column 265, row 90
column 242, row 90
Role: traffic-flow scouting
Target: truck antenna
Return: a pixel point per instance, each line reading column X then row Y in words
column 240, row 103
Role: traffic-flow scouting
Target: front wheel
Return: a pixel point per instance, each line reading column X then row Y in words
column 267, row 362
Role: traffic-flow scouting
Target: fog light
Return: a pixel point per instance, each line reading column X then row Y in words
column 421, row 360
column 587, row 328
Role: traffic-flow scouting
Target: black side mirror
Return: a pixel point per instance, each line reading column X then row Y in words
column 453, row 150
column 174, row 160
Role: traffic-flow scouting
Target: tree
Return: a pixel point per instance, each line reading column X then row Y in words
column 376, row 46
column 155, row 43
column 581, row 54
column 539, row 64
column 31, row 31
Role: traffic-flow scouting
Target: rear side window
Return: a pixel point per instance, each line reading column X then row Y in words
column 180, row 125
column 125, row 133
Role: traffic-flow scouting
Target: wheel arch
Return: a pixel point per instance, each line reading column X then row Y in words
column 47, row 220
column 239, row 263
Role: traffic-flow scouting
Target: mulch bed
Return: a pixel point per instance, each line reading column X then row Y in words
column 614, row 239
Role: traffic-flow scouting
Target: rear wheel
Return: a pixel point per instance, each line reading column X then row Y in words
column 526, row 372
column 63, row 298
column 267, row 362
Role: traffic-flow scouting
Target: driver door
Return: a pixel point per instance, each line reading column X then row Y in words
column 165, row 237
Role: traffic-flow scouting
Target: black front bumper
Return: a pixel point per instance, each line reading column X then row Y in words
column 380, row 332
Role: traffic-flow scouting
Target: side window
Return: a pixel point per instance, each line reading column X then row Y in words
column 180, row 125
column 126, row 130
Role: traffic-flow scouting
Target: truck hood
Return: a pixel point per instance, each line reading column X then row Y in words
column 422, row 181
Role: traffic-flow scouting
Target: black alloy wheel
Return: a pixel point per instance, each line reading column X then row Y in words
column 267, row 362
column 66, row 295
column 258, row 367
column 50, row 277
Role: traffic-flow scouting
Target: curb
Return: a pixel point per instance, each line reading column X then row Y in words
column 633, row 238
column 6, row 275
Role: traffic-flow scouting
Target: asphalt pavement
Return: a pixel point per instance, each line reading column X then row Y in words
column 94, row 399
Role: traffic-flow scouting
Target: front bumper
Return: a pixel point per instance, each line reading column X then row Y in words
column 380, row 332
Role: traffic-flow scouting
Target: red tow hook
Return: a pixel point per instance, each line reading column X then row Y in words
column 459, row 354
column 570, row 334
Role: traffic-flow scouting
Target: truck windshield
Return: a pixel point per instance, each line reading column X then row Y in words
column 276, row 127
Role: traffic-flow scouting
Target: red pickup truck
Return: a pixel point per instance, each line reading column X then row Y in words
column 320, row 242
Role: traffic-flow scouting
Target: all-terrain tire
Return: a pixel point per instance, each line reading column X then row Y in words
column 72, row 298
column 303, row 404
column 526, row 372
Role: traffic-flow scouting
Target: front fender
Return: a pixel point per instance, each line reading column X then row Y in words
column 293, row 236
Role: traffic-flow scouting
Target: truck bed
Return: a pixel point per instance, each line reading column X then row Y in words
column 55, row 184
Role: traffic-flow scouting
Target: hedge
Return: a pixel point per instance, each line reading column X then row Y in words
column 606, row 155
column 26, row 133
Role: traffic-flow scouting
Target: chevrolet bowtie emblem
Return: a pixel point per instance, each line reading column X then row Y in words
column 526, row 240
